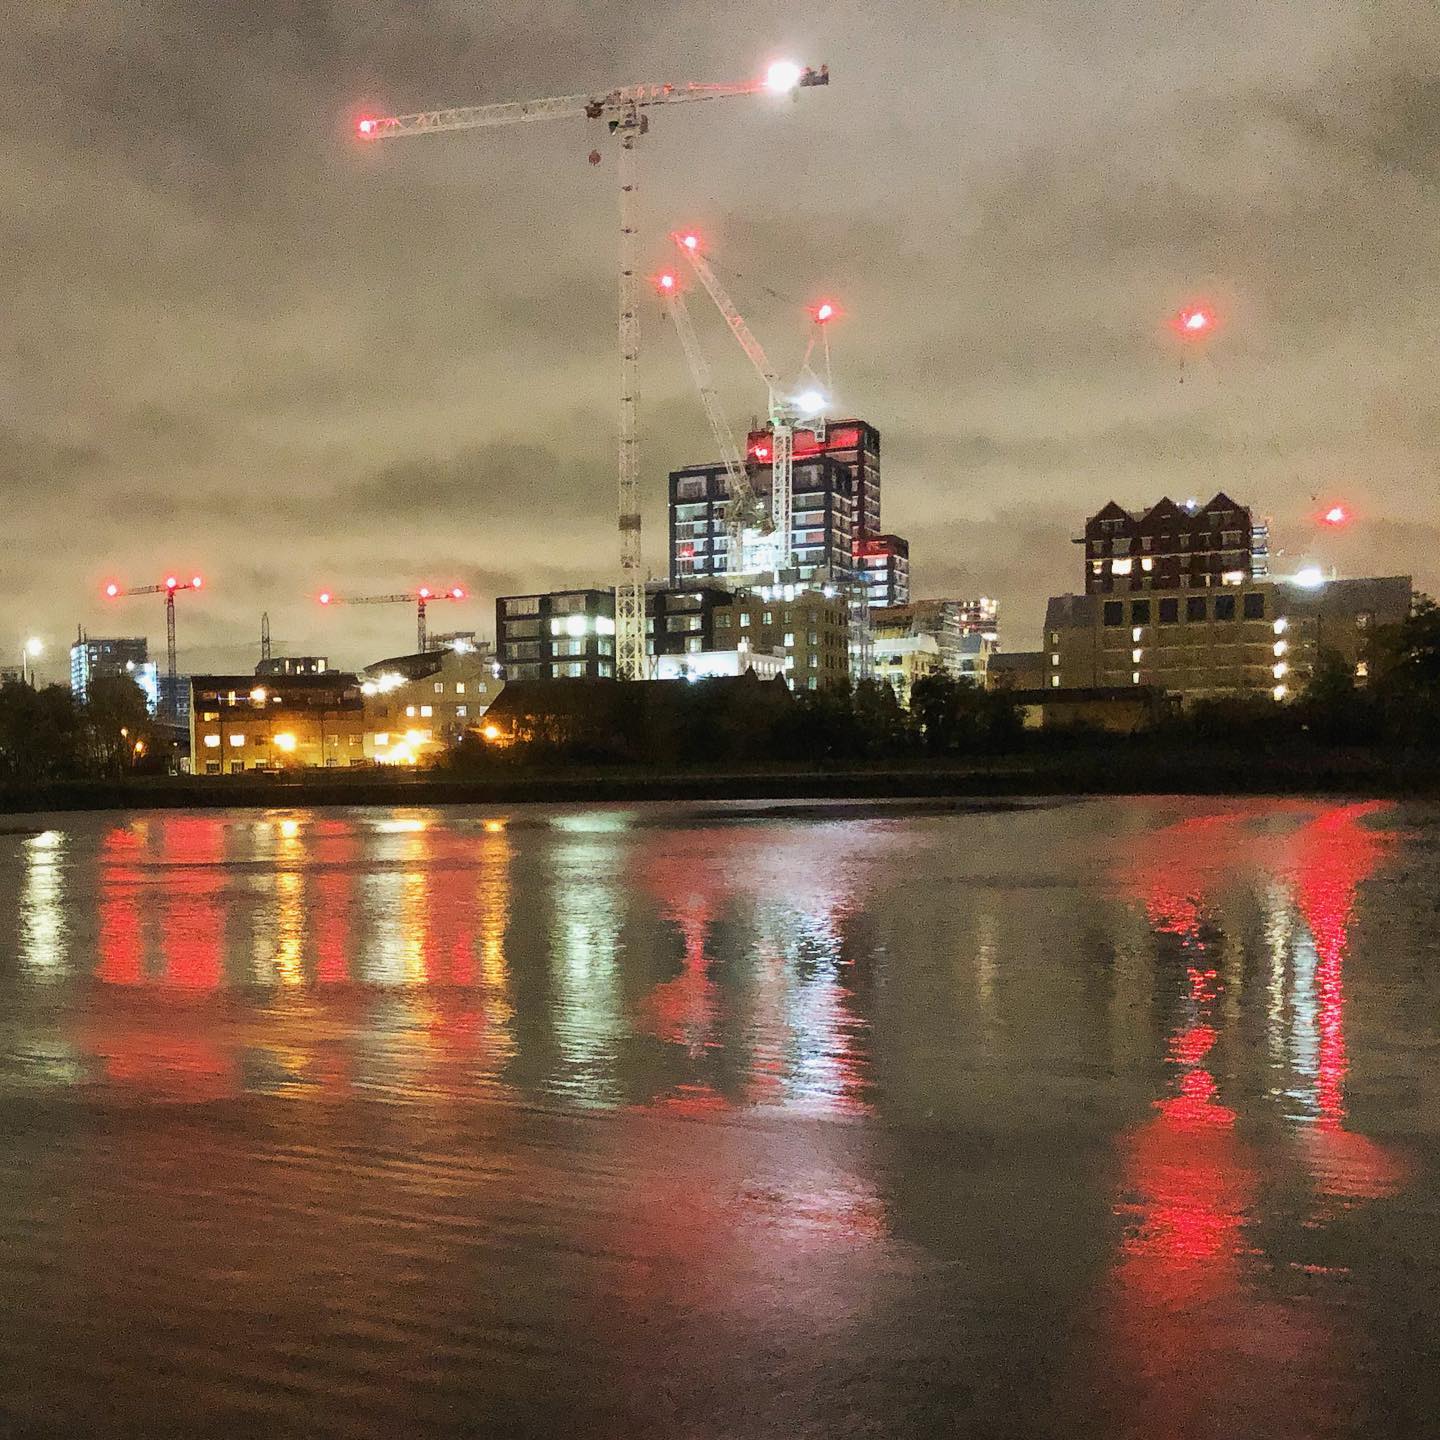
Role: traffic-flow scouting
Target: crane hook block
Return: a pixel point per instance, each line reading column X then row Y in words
column 594, row 157
column 594, row 110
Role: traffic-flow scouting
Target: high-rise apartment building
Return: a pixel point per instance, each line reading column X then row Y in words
column 1174, row 547
column 882, row 562
column 822, row 539
column 92, row 659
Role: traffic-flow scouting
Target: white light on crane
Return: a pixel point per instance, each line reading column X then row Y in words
column 810, row 403
column 1310, row 578
column 782, row 77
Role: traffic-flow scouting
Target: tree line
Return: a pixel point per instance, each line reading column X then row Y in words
column 47, row 735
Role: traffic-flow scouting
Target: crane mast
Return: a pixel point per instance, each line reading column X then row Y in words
column 623, row 110
column 744, row 512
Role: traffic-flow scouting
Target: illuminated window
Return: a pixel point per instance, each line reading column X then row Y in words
column 210, row 715
column 426, row 711
column 1281, row 625
column 790, row 638
column 212, row 742
column 1147, row 563
column 236, row 741
column 1136, row 633
column 1134, row 677
column 1054, row 659
column 1120, row 567
column 1135, row 656
column 439, row 687
column 1362, row 670
column 460, row 687
column 1280, row 692
column 768, row 618
column 1281, row 646
column 461, row 711
column 410, row 712
column 744, row 619
column 382, row 738
column 1054, row 682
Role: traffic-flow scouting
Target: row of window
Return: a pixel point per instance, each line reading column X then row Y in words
column 1197, row 608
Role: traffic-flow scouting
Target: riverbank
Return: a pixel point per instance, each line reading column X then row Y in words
column 1099, row 771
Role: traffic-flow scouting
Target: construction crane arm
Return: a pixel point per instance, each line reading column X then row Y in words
column 689, row 247
column 609, row 105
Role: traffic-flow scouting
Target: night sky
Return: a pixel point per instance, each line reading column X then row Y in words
column 236, row 341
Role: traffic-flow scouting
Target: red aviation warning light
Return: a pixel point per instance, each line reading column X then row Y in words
column 367, row 127
column 112, row 589
column 1194, row 321
column 456, row 593
column 1336, row 516
column 324, row 597
column 171, row 583
column 690, row 241
column 196, row 582
column 424, row 592
column 824, row 312
column 666, row 283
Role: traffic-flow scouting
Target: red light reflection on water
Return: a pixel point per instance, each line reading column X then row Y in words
column 192, row 934
column 121, row 959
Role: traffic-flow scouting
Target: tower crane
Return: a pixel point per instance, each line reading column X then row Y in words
column 169, row 588
column 624, row 112
column 785, row 411
column 744, row 515
column 419, row 598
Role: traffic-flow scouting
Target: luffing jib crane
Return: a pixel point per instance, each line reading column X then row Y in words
column 785, row 410
column 169, row 588
column 623, row 110
column 745, row 516
column 420, row 599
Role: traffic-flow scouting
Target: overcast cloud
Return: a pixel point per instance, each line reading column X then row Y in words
column 235, row 341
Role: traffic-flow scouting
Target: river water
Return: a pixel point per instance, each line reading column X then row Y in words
column 1110, row 1118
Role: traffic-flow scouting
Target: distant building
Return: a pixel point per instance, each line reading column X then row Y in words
column 809, row 627
column 710, row 664
column 1259, row 638
column 965, row 631
column 882, row 563
column 823, row 538
column 902, row 657
column 1173, row 547
column 245, row 722
column 419, row 706
column 294, row 665
column 570, row 634
column 95, row 659
column 558, row 635
column 13, row 675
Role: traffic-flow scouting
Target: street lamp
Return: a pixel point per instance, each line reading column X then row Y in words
column 32, row 649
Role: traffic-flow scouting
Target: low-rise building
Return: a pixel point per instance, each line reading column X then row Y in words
column 1251, row 638
column 293, row 665
column 966, row 631
column 419, row 706
column 1115, row 709
column 708, row 664
column 245, row 722
column 809, row 627
column 901, row 657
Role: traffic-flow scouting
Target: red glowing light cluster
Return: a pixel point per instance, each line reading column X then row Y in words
column 666, row 282
column 1336, row 516
column 824, row 312
column 324, row 597
column 1194, row 322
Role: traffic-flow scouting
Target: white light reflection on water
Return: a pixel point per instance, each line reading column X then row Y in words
column 42, row 897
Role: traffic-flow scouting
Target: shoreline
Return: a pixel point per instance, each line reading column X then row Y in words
column 1078, row 773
